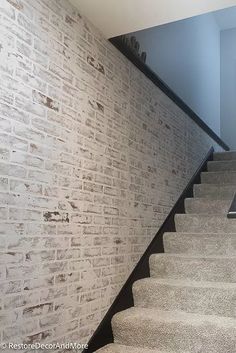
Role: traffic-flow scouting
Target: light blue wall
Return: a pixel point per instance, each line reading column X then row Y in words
column 228, row 87
column 186, row 55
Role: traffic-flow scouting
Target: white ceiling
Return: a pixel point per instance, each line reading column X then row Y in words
column 226, row 18
column 115, row 17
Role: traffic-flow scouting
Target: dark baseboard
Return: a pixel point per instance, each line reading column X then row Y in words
column 116, row 41
column 103, row 335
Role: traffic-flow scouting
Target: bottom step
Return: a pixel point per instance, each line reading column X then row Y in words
column 117, row 348
column 174, row 331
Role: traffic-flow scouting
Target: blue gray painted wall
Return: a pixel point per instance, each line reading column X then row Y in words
column 228, row 87
column 186, row 55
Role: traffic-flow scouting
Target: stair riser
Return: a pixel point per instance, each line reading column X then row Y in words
column 195, row 269
column 219, row 178
column 200, row 244
column 221, row 166
column 205, row 206
column 177, row 337
column 198, row 224
column 225, row 156
column 207, row 301
column 214, row 192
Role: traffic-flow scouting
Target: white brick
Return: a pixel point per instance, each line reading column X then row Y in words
column 30, row 107
column 11, row 257
column 25, row 187
column 5, row 125
column 84, row 173
column 13, row 113
column 20, row 330
column 18, row 144
column 16, row 214
column 3, row 214
column 22, row 7
column 3, row 184
column 6, row 96
column 17, row 31
column 31, row 80
column 46, row 76
column 7, row 9
column 31, row 54
column 28, row 133
column 26, row 159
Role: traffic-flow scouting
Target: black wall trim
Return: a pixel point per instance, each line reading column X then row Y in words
column 167, row 90
column 124, row 300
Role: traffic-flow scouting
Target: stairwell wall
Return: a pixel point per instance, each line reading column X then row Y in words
column 93, row 157
column 228, row 88
column 186, row 55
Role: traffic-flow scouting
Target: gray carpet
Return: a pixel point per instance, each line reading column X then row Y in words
column 188, row 305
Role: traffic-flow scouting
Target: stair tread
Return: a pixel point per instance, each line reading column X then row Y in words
column 224, row 164
column 143, row 315
column 194, row 267
column 204, row 298
column 214, row 191
column 203, row 216
column 194, row 256
column 213, row 186
column 202, row 223
column 207, row 206
column 196, row 198
column 184, row 283
column 219, row 177
column 200, row 243
column 175, row 330
column 118, row 348
column 201, row 235
column 229, row 155
column 227, row 186
column 219, row 172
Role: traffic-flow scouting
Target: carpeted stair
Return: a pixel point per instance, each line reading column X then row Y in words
column 188, row 305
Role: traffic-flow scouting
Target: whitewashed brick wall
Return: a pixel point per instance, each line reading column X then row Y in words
column 92, row 158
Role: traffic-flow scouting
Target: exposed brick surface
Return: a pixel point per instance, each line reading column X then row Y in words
column 92, row 158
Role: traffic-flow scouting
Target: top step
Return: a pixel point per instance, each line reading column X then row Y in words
column 224, row 156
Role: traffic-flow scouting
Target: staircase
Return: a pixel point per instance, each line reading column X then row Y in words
column 189, row 303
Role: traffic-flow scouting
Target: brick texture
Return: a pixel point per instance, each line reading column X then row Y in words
column 92, row 158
